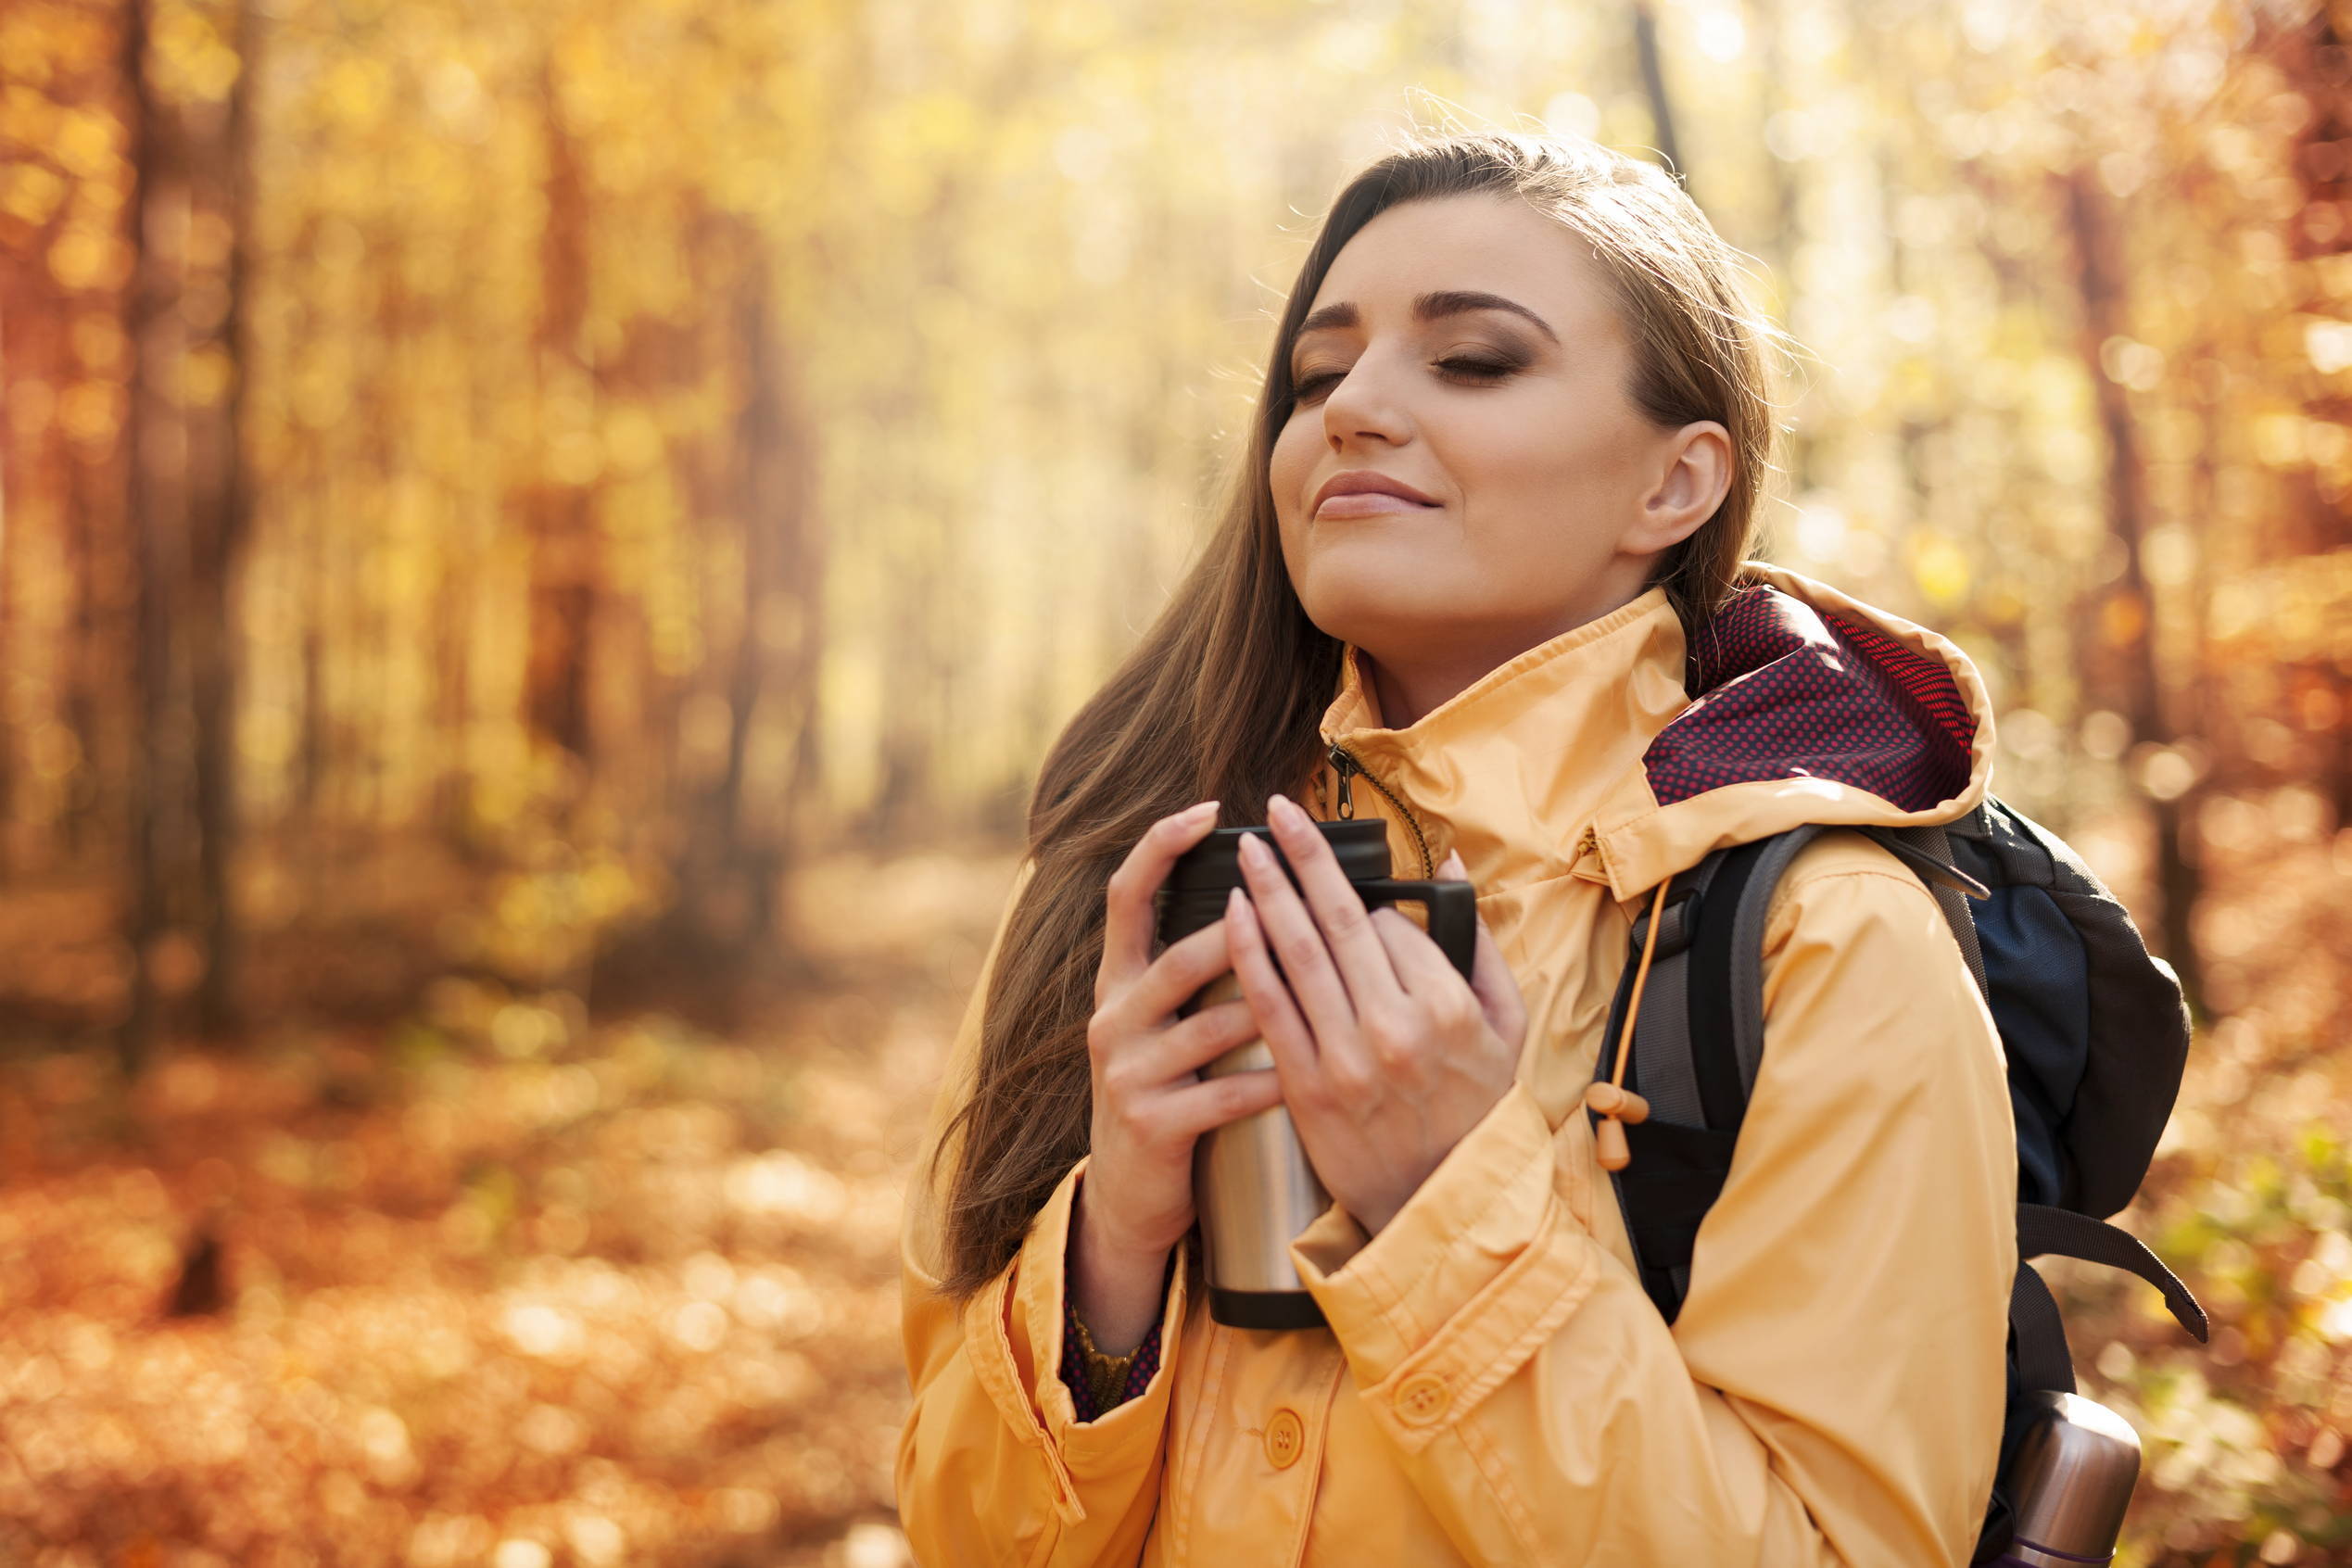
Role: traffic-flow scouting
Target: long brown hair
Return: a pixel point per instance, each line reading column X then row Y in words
column 1222, row 698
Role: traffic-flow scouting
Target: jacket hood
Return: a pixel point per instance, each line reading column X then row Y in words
column 1619, row 752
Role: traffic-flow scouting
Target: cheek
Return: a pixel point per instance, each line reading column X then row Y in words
column 1288, row 465
column 1558, row 467
column 1551, row 447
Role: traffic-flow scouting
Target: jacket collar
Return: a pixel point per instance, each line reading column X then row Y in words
column 1589, row 754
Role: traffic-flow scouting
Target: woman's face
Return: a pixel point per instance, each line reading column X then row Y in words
column 1471, row 350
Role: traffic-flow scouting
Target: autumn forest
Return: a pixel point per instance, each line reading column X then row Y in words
column 541, row 547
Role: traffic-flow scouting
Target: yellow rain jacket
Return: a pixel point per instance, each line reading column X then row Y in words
column 1495, row 1387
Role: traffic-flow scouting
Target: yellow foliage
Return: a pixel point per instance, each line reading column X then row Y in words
column 88, row 259
column 31, row 193
column 1940, row 568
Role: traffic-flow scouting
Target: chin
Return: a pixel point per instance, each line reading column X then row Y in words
column 1380, row 620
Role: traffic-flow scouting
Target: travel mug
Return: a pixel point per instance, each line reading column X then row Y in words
column 2070, row 1481
column 1252, row 1182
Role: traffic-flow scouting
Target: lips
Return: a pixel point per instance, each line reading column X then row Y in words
column 1362, row 493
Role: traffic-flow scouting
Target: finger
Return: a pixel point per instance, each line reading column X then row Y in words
column 1338, row 910
column 1288, row 932
column 1496, row 988
column 1422, row 967
column 1490, row 978
column 1195, row 1108
column 1172, row 979
column 1128, row 916
column 1193, row 1043
column 1295, row 1049
column 1138, row 1080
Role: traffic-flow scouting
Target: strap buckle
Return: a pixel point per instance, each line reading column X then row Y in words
column 1675, row 935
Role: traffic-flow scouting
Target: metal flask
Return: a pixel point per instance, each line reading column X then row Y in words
column 1252, row 1182
column 2070, row 1481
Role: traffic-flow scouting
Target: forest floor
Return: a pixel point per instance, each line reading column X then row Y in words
column 482, row 1282
column 490, row 1285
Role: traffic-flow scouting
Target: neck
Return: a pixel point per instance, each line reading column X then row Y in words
column 1408, row 688
column 1405, row 695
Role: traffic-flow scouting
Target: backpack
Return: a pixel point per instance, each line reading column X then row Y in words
column 2095, row 1028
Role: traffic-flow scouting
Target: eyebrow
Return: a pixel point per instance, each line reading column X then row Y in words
column 1427, row 308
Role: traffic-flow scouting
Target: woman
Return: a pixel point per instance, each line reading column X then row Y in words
column 1487, row 553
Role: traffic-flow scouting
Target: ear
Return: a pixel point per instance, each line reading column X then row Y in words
column 1694, row 476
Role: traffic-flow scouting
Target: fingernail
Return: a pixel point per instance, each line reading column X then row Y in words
column 1205, row 808
column 1254, row 851
column 1280, row 808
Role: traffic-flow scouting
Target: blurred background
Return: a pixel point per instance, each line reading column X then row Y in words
column 541, row 545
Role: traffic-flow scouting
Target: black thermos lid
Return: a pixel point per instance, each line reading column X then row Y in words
column 1194, row 893
column 1214, row 864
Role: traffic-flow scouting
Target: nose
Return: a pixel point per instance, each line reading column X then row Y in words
column 1364, row 405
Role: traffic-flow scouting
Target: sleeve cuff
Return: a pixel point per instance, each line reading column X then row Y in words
column 1474, row 1271
column 1016, row 1329
column 1141, row 1362
column 1013, row 1338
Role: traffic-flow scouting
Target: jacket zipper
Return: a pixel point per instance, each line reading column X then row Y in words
column 1348, row 767
column 1590, row 845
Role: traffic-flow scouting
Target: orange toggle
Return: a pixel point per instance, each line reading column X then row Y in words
column 1622, row 1104
column 1619, row 1106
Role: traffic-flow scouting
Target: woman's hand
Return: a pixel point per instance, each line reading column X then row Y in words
column 1387, row 1055
column 1136, row 1199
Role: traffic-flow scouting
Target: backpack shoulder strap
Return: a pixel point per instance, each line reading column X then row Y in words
column 1697, row 1046
column 1736, row 949
column 1706, row 986
column 2043, row 1356
column 1707, row 975
column 1928, row 851
column 1699, row 1043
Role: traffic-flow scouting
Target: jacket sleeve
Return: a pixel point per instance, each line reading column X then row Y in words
column 994, row 1464
column 1832, row 1391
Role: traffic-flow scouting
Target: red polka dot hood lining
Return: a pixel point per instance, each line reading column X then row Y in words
column 1782, row 689
column 1616, row 754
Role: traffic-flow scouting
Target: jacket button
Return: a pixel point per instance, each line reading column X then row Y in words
column 1285, row 1437
column 1422, row 1398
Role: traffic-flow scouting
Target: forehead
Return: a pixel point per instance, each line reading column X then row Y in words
column 1487, row 242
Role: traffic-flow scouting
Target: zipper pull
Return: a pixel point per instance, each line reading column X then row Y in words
column 1588, row 848
column 1345, row 765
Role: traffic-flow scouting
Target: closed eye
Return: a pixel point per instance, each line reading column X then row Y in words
column 1475, row 371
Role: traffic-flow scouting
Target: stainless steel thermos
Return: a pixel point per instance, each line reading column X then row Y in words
column 1252, row 1182
column 2070, row 1481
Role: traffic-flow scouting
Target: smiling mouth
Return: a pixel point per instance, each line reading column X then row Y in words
column 1369, row 503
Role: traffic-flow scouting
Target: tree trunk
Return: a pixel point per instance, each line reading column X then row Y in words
column 91, row 505
column 220, row 521
column 1653, row 87
column 2314, row 57
column 564, row 558
column 2129, row 613
column 155, row 465
column 8, row 527
column 742, row 862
